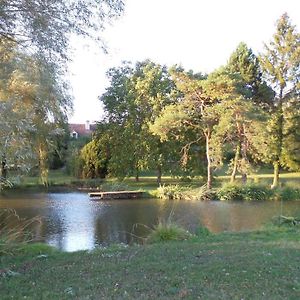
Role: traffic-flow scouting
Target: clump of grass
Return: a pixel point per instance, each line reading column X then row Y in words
column 167, row 231
column 203, row 193
column 170, row 192
column 202, row 231
column 14, row 231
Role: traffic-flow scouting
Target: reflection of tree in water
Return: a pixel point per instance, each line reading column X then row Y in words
column 126, row 219
column 72, row 222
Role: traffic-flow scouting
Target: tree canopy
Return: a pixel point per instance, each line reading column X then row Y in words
column 46, row 26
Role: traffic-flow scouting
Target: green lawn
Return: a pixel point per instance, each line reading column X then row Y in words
column 257, row 265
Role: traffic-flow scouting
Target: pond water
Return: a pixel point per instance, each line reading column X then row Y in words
column 71, row 221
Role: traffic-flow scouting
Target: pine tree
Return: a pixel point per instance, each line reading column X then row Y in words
column 281, row 64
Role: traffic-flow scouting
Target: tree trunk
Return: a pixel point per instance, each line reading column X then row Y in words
column 235, row 163
column 43, row 164
column 244, row 178
column 244, row 149
column 209, row 168
column 3, row 168
column 276, row 175
column 137, row 177
column 276, row 163
column 159, row 173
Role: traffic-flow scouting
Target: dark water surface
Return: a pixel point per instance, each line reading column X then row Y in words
column 71, row 221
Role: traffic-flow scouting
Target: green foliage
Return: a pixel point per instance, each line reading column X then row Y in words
column 33, row 109
column 281, row 64
column 46, row 29
column 167, row 231
column 203, row 193
column 170, row 192
column 245, row 66
column 94, row 160
column 135, row 97
column 14, row 232
column 287, row 193
column 233, row 192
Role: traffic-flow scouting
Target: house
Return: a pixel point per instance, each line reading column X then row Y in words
column 81, row 130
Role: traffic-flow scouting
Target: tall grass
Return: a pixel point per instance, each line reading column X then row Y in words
column 170, row 192
column 167, row 230
column 14, row 231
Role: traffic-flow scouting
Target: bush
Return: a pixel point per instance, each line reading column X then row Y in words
column 170, row 192
column 287, row 193
column 168, row 231
column 256, row 192
column 233, row 192
column 230, row 192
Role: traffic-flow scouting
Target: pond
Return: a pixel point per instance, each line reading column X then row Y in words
column 71, row 221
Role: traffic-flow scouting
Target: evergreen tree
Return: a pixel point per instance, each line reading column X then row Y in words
column 281, row 64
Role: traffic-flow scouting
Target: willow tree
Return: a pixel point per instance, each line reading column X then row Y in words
column 281, row 64
column 15, row 119
column 34, row 102
column 46, row 26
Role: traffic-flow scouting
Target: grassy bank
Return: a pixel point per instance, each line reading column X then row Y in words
column 258, row 187
column 257, row 265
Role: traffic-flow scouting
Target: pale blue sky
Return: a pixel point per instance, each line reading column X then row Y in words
column 197, row 34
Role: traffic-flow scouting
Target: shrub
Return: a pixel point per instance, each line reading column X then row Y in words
column 170, row 192
column 287, row 193
column 14, row 233
column 232, row 192
column 256, row 192
column 167, row 231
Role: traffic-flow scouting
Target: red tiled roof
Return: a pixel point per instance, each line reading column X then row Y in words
column 81, row 130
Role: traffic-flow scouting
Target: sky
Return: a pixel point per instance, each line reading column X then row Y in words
column 197, row 34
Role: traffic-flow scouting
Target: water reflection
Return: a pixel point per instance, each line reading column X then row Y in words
column 71, row 221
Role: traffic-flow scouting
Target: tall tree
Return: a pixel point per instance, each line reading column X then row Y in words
column 200, row 109
column 33, row 90
column 134, row 99
column 245, row 67
column 281, row 64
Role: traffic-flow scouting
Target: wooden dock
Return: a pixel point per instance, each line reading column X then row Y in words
column 116, row 195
